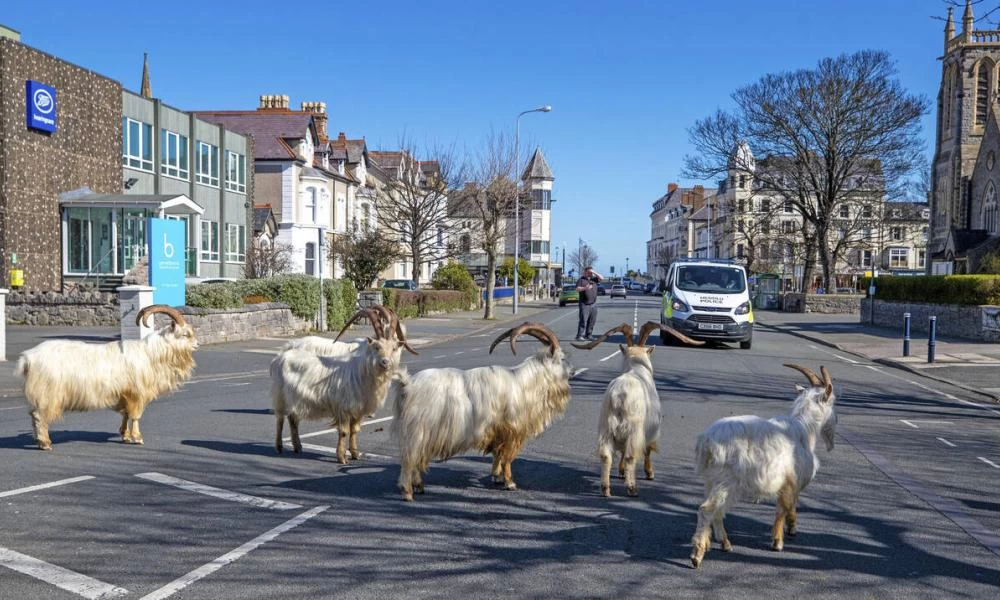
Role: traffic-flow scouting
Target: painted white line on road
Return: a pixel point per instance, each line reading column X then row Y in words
column 207, row 490
column 559, row 318
column 226, row 376
column 439, row 356
column 610, row 356
column 237, row 384
column 908, row 423
column 635, row 316
column 11, row 407
column 930, row 389
column 833, row 354
column 332, row 450
column 260, row 351
column 460, row 352
column 946, row 442
column 580, row 372
column 989, row 462
column 43, row 486
column 71, row 581
column 480, row 335
column 185, row 580
column 334, row 429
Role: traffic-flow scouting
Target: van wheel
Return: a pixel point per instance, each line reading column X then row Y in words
column 562, row 304
column 666, row 339
column 746, row 345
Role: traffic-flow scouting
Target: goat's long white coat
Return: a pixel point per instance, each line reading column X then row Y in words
column 440, row 413
column 630, row 416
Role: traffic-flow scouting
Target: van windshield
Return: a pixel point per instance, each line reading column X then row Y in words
column 711, row 279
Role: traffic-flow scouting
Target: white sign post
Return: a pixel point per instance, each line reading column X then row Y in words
column 132, row 299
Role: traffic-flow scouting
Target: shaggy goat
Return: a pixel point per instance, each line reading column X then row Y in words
column 67, row 375
column 306, row 385
column 630, row 410
column 749, row 457
column 443, row 412
column 382, row 319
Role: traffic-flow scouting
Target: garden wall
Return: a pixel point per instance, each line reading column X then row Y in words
column 74, row 309
column 251, row 321
column 974, row 322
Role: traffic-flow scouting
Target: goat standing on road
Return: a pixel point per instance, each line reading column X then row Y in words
column 630, row 410
column 749, row 457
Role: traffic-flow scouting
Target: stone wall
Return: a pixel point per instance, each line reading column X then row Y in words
column 837, row 304
column 215, row 325
column 953, row 320
column 76, row 309
column 35, row 167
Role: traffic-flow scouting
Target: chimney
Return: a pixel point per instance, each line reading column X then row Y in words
column 341, row 137
column 671, row 188
column 318, row 110
column 270, row 102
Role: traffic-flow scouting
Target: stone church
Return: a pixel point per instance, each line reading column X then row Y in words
column 965, row 223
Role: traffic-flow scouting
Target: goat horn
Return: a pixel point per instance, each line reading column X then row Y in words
column 395, row 325
column 388, row 317
column 148, row 311
column 624, row 328
column 827, row 382
column 535, row 330
column 813, row 379
column 651, row 326
column 371, row 315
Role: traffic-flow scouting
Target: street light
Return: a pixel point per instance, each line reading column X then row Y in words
column 517, row 195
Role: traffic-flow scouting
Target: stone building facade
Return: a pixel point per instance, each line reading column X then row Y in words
column 36, row 167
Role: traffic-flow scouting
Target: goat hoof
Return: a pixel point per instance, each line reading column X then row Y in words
column 407, row 497
column 498, row 479
column 727, row 546
column 695, row 562
column 606, row 491
column 510, row 486
column 46, row 447
column 632, row 491
column 649, row 476
column 791, row 532
column 355, row 456
column 278, row 449
column 419, row 488
column 777, row 546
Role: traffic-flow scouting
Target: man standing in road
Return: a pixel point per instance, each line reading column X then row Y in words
column 586, row 286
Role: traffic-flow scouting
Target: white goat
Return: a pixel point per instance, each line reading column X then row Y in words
column 749, row 457
column 382, row 319
column 630, row 410
column 68, row 375
column 443, row 412
column 306, row 385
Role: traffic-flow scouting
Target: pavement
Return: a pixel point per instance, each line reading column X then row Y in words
column 972, row 366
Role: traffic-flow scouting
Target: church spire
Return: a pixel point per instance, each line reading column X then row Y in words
column 968, row 20
column 949, row 29
column 145, row 91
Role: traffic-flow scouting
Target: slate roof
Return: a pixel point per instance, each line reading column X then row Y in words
column 272, row 131
column 260, row 216
column 537, row 167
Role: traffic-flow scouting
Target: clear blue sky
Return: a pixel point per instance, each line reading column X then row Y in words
column 626, row 79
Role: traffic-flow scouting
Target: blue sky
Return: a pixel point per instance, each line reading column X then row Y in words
column 625, row 79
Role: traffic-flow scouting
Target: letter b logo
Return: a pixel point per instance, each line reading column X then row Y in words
column 168, row 248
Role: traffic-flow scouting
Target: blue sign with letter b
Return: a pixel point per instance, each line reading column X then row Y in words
column 40, row 105
column 166, row 260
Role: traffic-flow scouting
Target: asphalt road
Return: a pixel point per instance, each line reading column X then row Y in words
column 906, row 505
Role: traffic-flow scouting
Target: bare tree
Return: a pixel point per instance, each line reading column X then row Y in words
column 488, row 201
column 267, row 260
column 582, row 257
column 412, row 203
column 829, row 135
column 365, row 252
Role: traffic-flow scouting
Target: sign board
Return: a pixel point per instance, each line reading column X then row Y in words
column 40, row 106
column 166, row 260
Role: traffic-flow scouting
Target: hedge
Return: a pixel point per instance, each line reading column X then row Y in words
column 299, row 292
column 938, row 289
column 409, row 304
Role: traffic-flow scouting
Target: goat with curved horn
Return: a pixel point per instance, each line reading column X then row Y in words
column 372, row 316
column 146, row 312
column 812, row 377
column 535, row 330
column 394, row 326
column 624, row 329
column 651, row 326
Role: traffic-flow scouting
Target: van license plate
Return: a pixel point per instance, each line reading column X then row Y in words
column 712, row 326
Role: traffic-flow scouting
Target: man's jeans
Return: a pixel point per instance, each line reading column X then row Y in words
column 588, row 318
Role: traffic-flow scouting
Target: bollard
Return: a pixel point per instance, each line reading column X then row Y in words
column 932, row 340
column 906, row 334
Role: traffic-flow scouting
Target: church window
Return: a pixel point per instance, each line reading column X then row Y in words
column 983, row 95
column 991, row 217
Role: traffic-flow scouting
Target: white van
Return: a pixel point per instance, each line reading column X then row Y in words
column 708, row 300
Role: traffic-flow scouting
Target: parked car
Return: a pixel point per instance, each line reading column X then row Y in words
column 400, row 284
column 649, row 288
column 618, row 291
column 569, row 294
column 636, row 286
column 601, row 290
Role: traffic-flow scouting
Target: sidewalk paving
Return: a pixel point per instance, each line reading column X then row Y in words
column 970, row 365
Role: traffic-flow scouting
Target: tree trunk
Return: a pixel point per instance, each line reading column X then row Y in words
column 491, row 267
column 415, row 257
column 809, row 266
column 824, row 258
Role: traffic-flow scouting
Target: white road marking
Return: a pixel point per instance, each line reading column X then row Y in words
column 580, row 372
column 946, row 442
column 989, row 462
column 480, row 335
column 559, row 318
column 908, row 423
column 71, row 581
column 43, row 486
column 205, row 570
column 226, row 376
column 610, row 356
column 440, row 356
column 635, row 316
column 334, row 429
column 215, row 492
column 11, row 407
column 260, row 351
column 332, row 450
column 237, row 384
column 460, row 352
column 930, row 389
column 833, row 354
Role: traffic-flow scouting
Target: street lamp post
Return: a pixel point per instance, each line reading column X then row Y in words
column 517, row 195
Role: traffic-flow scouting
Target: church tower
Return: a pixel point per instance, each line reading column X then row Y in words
column 969, row 74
